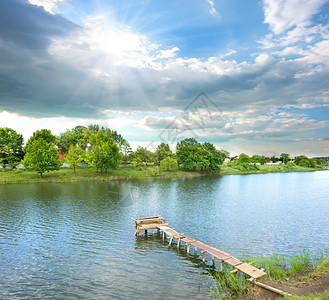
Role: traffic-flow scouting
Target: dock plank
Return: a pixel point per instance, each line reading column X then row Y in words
column 233, row 261
column 250, row 270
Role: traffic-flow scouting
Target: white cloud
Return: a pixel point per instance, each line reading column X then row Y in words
column 168, row 53
column 212, row 9
column 50, row 6
column 282, row 15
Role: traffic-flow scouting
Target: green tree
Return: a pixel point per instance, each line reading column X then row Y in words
column 169, row 164
column 73, row 137
column 74, row 156
column 191, row 155
column 285, row 157
column 44, row 134
column 11, row 147
column 244, row 158
column 125, row 150
column 104, row 152
column 144, row 156
column 41, row 157
column 163, row 151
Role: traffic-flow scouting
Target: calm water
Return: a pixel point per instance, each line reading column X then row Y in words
column 77, row 240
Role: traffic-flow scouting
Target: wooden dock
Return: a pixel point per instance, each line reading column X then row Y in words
column 158, row 222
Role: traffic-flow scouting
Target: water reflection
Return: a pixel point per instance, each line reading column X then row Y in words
column 76, row 240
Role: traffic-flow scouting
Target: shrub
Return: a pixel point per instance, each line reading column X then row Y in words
column 169, row 164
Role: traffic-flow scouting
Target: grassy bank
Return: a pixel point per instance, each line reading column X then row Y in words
column 86, row 174
column 299, row 267
column 227, row 169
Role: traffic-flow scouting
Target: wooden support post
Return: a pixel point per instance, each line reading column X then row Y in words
column 178, row 242
column 163, row 235
column 265, row 286
column 221, row 265
column 213, row 261
column 145, row 231
column 188, row 249
column 195, row 251
column 204, row 256
column 171, row 238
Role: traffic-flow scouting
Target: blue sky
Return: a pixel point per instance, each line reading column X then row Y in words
column 135, row 66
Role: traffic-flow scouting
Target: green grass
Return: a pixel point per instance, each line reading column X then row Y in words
column 86, row 174
column 227, row 285
column 277, row 267
column 322, row 296
column 230, row 169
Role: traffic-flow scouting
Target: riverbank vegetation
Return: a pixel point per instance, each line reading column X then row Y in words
column 282, row 272
column 109, row 156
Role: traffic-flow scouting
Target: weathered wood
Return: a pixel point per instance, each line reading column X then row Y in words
column 171, row 238
column 204, row 256
column 270, row 288
column 250, row 270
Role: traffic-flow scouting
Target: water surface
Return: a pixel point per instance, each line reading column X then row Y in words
column 76, row 240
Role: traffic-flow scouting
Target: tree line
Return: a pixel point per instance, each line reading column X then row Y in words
column 103, row 149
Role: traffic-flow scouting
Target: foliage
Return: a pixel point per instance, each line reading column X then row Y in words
column 142, row 156
column 126, row 151
column 163, row 151
column 41, row 157
column 285, row 158
column 74, row 156
column 104, row 153
column 191, row 155
column 244, row 158
column 44, row 134
column 11, row 147
column 258, row 159
column 323, row 161
column 227, row 285
column 304, row 161
column 169, row 164
column 290, row 165
column 73, row 137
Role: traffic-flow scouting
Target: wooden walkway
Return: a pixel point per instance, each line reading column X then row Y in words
column 158, row 222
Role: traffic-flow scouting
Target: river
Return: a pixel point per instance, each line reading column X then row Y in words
column 76, row 240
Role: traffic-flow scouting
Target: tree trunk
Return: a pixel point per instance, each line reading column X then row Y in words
column 40, row 174
column 74, row 169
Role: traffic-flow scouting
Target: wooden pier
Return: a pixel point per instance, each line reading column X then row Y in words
column 159, row 223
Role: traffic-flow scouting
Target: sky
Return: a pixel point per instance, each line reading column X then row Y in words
column 249, row 76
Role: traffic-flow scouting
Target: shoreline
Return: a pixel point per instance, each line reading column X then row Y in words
column 65, row 175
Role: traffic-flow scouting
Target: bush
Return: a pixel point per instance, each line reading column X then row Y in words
column 169, row 164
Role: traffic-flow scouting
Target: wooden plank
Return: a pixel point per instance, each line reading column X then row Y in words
column 217, row 253
column 233, row 261
column 275, row 290
column 149, row 226
column 250, row 270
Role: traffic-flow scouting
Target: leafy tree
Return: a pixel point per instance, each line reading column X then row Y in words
column 224, row 153
column 44, row 134
column 163, row 151
column 258, row 159
column 126, row 150
column 244, row 158
column 41, row 157
column 191, row 155
column 104, row 153
column 169, row 164
column 73, row 137
column 11, row 147
column 144, row 156
column 285, row 158
column 74, row 156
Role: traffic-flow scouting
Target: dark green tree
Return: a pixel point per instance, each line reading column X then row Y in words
column 44, row 134
column 163, row 151
column 41, row 157
column 244, row 158
column 73, row 137
column 169, row 164
column 11, row 147
column 285, row 157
